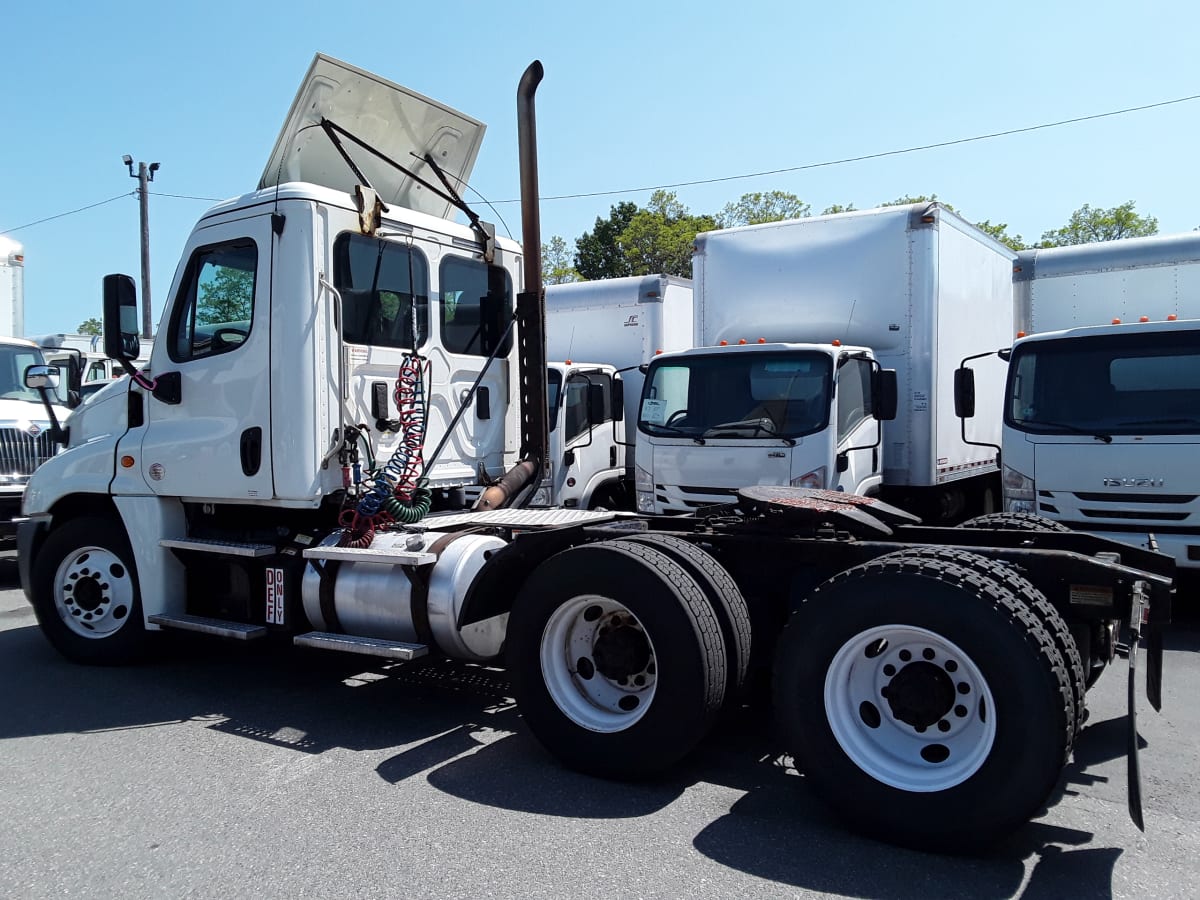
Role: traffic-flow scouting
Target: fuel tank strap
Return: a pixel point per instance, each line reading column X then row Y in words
column 419, row 577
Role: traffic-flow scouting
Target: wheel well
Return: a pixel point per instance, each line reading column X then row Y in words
column 74, row 506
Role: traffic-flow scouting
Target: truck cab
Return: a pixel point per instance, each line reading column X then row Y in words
column 26, row 437
column 1101, row 431
column 713, row 419
column 586, row 408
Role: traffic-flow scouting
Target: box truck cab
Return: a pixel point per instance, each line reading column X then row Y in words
column 713, row 420
column 1102, row 432
column 794, row 322
column 586, row 410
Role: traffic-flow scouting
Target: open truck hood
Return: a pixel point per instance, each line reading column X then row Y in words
column 394, row 120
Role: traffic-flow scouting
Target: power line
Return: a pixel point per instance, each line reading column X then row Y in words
column 866, row 156
column 187, row 197
column 678, row 184
column 69, row 213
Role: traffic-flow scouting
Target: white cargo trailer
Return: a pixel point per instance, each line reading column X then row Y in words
column 910, row 288
column 1102, row 422
column 624, row 322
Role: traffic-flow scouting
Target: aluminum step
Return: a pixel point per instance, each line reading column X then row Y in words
column 225, row 548
column 239, row 631
column 350, row 643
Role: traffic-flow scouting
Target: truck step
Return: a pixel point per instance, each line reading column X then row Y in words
column 350, row 643
column 225, row 548
column 239, row 631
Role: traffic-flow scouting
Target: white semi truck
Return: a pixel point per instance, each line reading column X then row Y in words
column 1102, row 406
column 626, row 322
column 806, row 331
column 252, row 481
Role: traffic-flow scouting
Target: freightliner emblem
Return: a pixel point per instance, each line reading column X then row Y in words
column 1136, row 481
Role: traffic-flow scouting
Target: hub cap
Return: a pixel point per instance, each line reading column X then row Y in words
column 93, row 592
column 598, row 663
column 909, row 708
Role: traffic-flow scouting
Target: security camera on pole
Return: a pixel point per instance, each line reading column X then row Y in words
column 144, row 175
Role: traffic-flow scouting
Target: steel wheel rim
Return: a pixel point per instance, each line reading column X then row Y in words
column 578, row 644
column 93, row 592
column 883, row 692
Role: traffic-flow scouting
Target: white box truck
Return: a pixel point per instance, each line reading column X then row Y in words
column 795, row 322
column 625, row 322
column 1102, row 420
column 12, row 288
column 251, row 481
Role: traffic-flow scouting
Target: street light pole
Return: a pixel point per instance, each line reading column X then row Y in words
column 144, row 175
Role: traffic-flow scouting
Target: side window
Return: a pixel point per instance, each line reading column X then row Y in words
column 853, row 395
column 474, row 313
column 215, row 306
column 575, row 402
column 385, row 291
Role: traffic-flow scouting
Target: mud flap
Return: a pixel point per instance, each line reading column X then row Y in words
column 1138, row 614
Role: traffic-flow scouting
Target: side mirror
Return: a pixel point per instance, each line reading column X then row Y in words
column 618, row 399
column 120, row 318
column 39, row 377
column 886, row 393
column 964, row 392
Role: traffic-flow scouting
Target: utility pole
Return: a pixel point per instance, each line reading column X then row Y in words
column 144, row 175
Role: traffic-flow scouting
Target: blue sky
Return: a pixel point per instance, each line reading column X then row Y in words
column 636, row 94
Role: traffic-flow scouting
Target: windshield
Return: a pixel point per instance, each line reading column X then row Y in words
column 13, row 362
column 1136, row 383
column 553, row 389
column 737, row 395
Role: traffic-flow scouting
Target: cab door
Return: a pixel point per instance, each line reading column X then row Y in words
column 857, row 462
column 208, row 425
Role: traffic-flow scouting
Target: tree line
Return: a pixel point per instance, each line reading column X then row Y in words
column 657, row 238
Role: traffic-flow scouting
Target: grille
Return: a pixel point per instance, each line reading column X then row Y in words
column 21, row 453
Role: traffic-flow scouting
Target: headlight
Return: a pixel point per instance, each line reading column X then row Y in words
column 1018, row 491
column 644, row 480
column 544, row 495
column 813, row 479
column 645, row 501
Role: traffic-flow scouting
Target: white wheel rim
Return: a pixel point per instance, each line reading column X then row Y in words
column 93, row 592
column 598, row 663
column 910, row 708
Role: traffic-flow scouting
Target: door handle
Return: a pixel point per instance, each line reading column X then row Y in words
column 251, row 451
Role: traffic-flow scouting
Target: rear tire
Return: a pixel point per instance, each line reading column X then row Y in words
column 616, row 658
column 1028, row 593
column 85, row 593
column 925, row 702
column 723, row 595
column 1014, row 521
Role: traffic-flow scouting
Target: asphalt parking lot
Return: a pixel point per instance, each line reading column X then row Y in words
column 233, row 771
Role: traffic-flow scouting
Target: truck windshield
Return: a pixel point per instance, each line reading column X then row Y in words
column 1135, row 383
column 737, row 395
column 13, row 362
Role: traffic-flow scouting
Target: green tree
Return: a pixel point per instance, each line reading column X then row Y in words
column 919, row 198
column 228, row 296
column 1000, row 232
column 556, row 263
column 1088, row 225
column 598, row 253
column 758, row 207
column 658, row 239
column 90, row 326
column 837, row 208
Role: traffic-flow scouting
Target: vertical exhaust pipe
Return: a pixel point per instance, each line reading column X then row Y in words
column 530, row 316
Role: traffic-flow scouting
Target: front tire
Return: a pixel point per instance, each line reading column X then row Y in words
column 85, row 593
column 926, row 703
column 616, row 658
